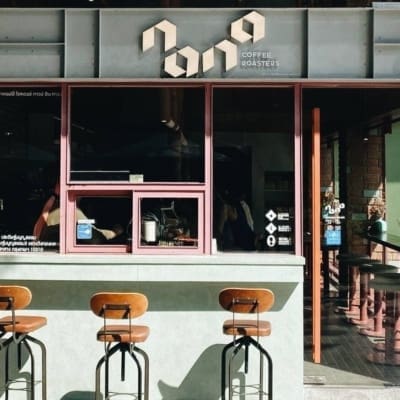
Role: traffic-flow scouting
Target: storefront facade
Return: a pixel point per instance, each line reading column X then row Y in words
column 142, row 127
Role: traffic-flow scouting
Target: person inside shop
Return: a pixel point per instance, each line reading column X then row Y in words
column 376, row 222
column 47, row 226
column 236, row 226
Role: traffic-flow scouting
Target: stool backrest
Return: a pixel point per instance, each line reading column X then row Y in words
column 117, row 305
column 14, row 297
column 246, row 300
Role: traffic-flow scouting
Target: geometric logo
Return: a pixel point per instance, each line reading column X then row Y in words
column 239, row 33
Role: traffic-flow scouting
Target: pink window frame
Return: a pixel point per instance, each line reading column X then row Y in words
column 135, row 195
column 69, row 190
column 205, row 238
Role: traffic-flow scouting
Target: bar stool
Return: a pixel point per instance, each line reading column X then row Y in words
column 17, row 329
column 389, row 351
column 246, row 301
column 348, row 273
column 115, row 305
column 366, row 272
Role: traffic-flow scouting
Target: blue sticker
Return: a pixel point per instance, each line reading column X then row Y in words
column 333, row 238
column 84, row 231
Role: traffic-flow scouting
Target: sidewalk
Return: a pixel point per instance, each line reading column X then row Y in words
column 350, row 393
column 345, row 372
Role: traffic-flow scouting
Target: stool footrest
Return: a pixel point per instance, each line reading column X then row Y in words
column 248, row 390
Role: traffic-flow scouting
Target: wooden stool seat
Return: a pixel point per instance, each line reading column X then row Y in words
column 344, row 256
column 23, row 324
column 124, row 333
column 246, row 333
column 377, row 267
column 246, row 327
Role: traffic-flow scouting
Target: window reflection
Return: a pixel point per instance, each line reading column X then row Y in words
column 137, row 134
column 29, row 161
column 253, row 169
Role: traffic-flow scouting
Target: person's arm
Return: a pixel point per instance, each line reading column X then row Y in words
column 41, row 222
column 222, row 219
column 108, row 233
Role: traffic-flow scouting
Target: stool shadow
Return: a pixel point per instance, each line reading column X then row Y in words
column 79, row 395
column 204, row 378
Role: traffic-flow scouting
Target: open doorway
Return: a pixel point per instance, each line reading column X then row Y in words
column 356, row 125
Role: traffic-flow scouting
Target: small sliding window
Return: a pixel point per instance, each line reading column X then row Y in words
column 100, row 221
column 169, row 222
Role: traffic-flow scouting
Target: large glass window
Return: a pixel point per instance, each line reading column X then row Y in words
column 138, row 173
column 392, row 146
column 253, row 169
column 29, row 161
column 137, row 134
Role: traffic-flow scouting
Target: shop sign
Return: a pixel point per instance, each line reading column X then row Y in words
column 196, row 62
column 331, row 214
column 258, row 60
column 17, row 243
column 333, row 237
column 29, row 93
column 279, row 230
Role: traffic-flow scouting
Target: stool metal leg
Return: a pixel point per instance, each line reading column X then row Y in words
column 246, row 357
column 122, row 366
column 32, row 380
column 123, row 347
column 270, row 366
column 139, row 373
column 23, row 340
column 223, row 368
column 104, row 360
column 236, row 350
column 44, row 364
column 146, row 371
column 261, row 378
column 6, row 370
column 97, row 385
column 106, row 375
column 237, row 346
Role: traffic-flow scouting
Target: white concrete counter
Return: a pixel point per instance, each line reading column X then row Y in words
column 216, row 268
column 184, row 316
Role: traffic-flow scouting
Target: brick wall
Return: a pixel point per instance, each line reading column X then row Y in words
column 365, row 186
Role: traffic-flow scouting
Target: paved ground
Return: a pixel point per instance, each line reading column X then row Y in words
column 345, row 371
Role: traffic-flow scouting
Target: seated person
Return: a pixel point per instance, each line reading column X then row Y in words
column 47, row 227
column 236, row 228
